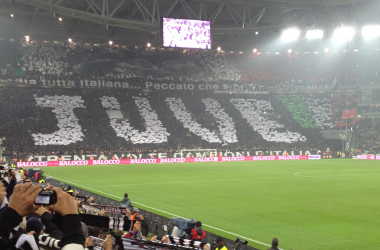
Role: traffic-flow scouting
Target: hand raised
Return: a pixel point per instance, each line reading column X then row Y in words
column 65, row 203
column 23, row 198
column 107, row 243
column 40, row 211
column 3, row 192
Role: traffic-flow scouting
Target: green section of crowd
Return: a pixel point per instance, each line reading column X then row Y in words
column 10, row 59
column 299, row 109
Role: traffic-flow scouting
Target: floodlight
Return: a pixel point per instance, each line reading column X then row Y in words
column 70, row 40
column 372, row 31
column 11, row 15
column 60, row 19
column 256, row 33
column 219, row 49
column 343, row 34
column 27, row 38
column 289, row 51
column 314, row 34
column 254, row 50
column 148, row 45
column 110, row 42
column 326, row 50
column 290, row 35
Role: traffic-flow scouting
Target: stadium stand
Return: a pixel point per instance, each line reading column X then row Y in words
column 368, row 135
column 105, row 121
column 89, row 221
column 101, row 84
column 108, row 121
column 280, row 71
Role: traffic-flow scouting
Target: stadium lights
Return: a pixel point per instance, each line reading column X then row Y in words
column 27, row 38
column 148, row 45
column 110, row 42
column 289, row 51
column 314, row 34
column 254, row 50
column 372, row 31
column 290, row 35
column 12, row 15
column 60, row 19
column 256, row 33
column 70, row 40
column 343, row 34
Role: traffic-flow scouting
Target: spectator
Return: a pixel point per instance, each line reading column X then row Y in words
column 46, row 219
column 220, row 244
column 197, row 233
column 125, row 202
column 33, row 224
column 144, row 225
column 22, row 204
column 94, row 231
column 274, row 244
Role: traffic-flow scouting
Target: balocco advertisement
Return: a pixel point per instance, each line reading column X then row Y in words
column 37, row 164
column 366, row 157
column 314, row 157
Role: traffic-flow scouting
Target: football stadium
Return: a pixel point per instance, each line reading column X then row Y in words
column 189, row 124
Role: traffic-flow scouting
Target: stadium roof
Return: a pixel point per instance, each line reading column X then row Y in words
column 136, row 22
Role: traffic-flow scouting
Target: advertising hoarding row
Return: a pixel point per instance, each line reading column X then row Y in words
column 368, row 157
column 159, row 160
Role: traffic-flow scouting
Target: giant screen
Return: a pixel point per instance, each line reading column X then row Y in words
column 186, row 33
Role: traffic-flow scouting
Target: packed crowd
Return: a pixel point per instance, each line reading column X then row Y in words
column 368, row 135
column 51, row 60
column 68, row 121
column 308, row 68
column 35, row 215
column 369, row 109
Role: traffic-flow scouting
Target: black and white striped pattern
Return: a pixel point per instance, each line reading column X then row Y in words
column 46, row 240
column 116, row 223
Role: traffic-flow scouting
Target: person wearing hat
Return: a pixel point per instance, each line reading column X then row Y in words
column 220, row 244
column 70, row 190
column 197, row 233
column 34, row 224
column 274, row 244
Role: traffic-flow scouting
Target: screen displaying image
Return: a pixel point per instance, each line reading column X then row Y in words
column 185, row 33
column 43, row 199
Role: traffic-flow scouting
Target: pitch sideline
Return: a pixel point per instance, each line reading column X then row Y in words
column 221, row 230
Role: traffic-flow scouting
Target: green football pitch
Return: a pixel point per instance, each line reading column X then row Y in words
column 322, row 204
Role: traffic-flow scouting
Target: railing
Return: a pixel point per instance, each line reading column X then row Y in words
column 335, row 131
column 158, row 225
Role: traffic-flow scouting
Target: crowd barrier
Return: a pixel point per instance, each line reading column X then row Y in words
column 162, row 160
column 158, row 225
column 368, row 157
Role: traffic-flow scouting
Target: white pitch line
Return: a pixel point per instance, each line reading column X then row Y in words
column 318, row 177
column 259, row 242
column 332, row 176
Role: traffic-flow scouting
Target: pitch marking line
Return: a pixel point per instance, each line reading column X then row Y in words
column 331, row 176
column 221, row 230
column 319, row 177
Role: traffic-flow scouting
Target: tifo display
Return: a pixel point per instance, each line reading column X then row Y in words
column 123, row 121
